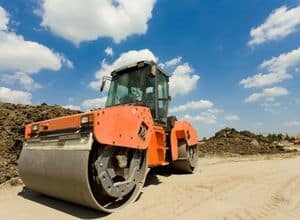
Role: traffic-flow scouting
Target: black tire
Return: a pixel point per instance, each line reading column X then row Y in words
column 187, row 161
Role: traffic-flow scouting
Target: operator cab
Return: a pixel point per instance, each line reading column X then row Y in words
column 142, row 84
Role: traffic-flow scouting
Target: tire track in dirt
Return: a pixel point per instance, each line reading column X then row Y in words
column 247, row 190
column 279, row 201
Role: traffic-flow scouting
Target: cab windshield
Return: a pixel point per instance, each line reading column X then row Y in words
column 127, row 87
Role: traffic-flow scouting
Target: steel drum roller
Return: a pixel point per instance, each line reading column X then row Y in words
column 61, row 169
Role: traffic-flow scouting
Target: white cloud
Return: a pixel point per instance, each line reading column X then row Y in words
column 205, row 112
column 182, row 75
column 203, row 117
column 280, row 23
column 270, row 99
column 267, row 93
column 26, row 56
column 96, row 85
column 22, row 78
column 73, row 107
column 93, row 103
column 192, row 105
column 261, row 80
column 88, row 20
column 124, row 59
column 283, row 62
column 292, row 124
column 70, row 99
column 259, row 124
column 214, row 110
column 278, row 69
column 232, row 117
column 183, row 80
column 109, row 51
column 4, row 19
column 173, row 62
column 14, row 96
column 20, row 57
column 271, row 106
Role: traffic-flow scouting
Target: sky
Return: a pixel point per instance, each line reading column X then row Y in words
column 232, row 63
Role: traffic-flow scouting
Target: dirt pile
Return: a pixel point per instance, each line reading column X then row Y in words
column 230, row 141
column 12, row 121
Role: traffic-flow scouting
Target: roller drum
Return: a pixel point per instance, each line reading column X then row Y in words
column 61, row 169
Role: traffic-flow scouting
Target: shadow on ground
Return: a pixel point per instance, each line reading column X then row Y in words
column 166, row 171
column 66, row 207
column 82, row 212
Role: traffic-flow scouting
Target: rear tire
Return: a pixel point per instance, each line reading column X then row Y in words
column 187, row 161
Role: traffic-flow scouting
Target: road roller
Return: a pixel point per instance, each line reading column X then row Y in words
column 100, row 159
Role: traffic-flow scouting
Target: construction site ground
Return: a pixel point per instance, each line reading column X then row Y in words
column 241, row 175
column 241, row 187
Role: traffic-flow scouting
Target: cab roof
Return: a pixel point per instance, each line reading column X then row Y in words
column 138, row 64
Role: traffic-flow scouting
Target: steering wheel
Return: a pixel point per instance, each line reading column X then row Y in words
column 136, row 94
column 128, row 98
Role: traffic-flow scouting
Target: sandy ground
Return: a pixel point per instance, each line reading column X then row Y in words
column 232, row 188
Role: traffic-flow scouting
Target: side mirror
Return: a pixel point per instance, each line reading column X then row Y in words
column 102, row 85
column 104, row 82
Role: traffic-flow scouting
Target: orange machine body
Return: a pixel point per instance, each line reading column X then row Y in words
column 125, row 126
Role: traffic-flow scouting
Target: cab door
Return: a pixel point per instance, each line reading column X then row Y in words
column 162, row 100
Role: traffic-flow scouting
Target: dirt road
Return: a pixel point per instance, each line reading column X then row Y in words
column 235, row 188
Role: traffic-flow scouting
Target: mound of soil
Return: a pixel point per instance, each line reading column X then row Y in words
column 13, row 118
column 230, row 141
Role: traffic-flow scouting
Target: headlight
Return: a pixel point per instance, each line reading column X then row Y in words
column 35, row 127
column 85, row 119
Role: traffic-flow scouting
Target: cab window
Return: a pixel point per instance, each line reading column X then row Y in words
column 163, row 97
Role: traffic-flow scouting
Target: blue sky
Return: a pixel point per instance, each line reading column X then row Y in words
column 233, row 63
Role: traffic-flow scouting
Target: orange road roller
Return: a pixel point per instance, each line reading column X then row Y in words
column 100, row 159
